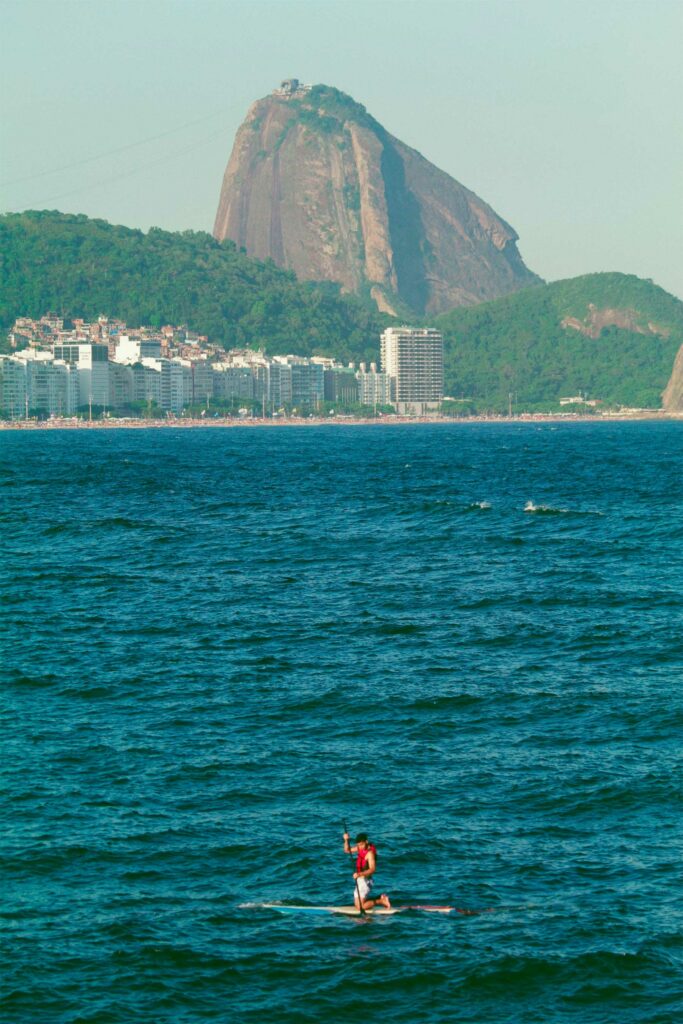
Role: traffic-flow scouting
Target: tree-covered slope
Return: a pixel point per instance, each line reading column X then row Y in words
column 619, row 344
column 609, row 336
column 79, row 267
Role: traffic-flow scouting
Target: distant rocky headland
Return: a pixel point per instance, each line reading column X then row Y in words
column 316, row 184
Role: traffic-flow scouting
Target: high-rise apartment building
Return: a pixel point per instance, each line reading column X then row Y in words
column 120, row 385
column 374, row 387
column 13, row 395
column 202, row 382
column 413, row 358
column 52, row 386
column 308, row 387
column 33, row 383
column 132, row 350
column 341, row 385
column 233, row 383
column 92, row 363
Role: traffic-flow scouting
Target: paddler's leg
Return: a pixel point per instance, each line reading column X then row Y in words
column 383, row 901
column 363, row 889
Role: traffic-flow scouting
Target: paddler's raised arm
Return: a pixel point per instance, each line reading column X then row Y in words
column 347, row 848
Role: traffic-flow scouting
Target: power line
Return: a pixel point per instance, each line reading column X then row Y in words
column 118, row 177
column 110, row 152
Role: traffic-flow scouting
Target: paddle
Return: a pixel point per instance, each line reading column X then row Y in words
column 360, row 902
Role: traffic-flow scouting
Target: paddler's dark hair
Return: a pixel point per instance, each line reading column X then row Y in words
column 362, row 837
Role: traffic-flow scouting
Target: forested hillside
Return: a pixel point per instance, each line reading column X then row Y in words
column 612, row 337
column 619, row 345
column 79, row 267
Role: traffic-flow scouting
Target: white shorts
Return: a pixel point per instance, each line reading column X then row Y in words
column 364, row 887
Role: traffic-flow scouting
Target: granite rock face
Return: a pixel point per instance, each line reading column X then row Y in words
column 317, row 185
column 672, row 398
column 597, row 319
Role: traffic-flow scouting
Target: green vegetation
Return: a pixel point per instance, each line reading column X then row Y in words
column 516, row 345
column 513, row 346
column 325, row 110
column 316, row 120
column 83, row 268
column 333, row 104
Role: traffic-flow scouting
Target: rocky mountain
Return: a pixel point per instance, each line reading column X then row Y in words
column 319, row 186
column 672, row 399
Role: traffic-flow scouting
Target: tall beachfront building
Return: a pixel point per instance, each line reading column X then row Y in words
column 374, row 388
column 413, row 358
column 92, row 363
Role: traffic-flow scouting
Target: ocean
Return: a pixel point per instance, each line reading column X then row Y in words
column 221, row 644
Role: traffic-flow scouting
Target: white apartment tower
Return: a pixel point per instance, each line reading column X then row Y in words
column 13, row 394
column 374, row 388
column 412, row 357
column 92, row 363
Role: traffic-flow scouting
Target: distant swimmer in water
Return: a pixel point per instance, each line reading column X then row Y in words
column 366, row 865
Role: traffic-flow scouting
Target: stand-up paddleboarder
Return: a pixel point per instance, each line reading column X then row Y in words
column 366, row 865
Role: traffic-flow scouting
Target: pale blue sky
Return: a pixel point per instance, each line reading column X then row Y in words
column 564, row 115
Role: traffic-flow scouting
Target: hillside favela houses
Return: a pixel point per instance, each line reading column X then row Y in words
column 107, row 369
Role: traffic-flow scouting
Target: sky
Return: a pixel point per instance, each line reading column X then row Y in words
column 565, row 116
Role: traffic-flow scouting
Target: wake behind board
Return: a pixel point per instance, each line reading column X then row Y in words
column 348, row 911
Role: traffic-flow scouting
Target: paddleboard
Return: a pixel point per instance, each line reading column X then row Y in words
column 349, row 911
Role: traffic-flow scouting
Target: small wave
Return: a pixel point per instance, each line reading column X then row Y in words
column 479, row 506
column 445, row 702
column 52, row 531
column 399, row 629
column 610, row 971
column 431, row 506
column 554, row 510
column 75, row 528
column 548, row 510
column 86, row 692
column 124, row 521
column 22, row 681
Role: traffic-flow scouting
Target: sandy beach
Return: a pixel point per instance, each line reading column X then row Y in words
column 73, row 423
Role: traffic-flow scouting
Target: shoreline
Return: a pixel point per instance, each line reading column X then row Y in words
column 186, row 423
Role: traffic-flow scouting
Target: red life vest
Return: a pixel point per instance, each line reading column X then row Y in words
column 362, row 857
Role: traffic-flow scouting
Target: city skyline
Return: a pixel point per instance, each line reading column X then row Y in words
column 109, row 367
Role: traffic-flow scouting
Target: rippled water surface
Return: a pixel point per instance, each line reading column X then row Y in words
column 219, row 644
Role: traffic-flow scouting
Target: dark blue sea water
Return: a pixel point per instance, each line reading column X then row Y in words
column 219, row 644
